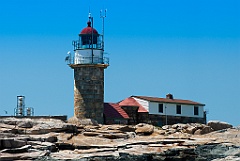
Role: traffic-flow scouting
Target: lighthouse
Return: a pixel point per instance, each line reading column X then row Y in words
column 88, row 63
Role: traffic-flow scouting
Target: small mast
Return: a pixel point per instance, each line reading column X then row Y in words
column 103, row 16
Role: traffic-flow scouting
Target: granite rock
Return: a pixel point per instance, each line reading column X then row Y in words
column 144, row 129
column 219, row 125
column 51, row 139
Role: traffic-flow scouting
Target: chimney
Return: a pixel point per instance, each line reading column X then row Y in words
column 169, row 96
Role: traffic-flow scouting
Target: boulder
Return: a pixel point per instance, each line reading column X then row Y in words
column 198, row 132
column 50, row 137
column 218, row 125
column 30, row 155
column 43, row 145
column 144, row 129
column 7, row 128
column 159, row 131
column 62, row 137
column 9, row 121
column 25, row 124
column 91, row 128
column 170, row 131
column 7, row 143
column 131, row 134
column 22, row 149
column 204, row 130
column 180, row 126
column 165, row 127
column 119, row 128
column 35, row 126
column 65, row 146
column 20, row 122
column 190, row 129
column 69, row 128
column 217, row 150
column 115, row 136
column 51, row 126
column 74, row 120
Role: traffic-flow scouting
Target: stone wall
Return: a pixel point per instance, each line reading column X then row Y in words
column 110, row 121
column 160, row 120
column 132, row 113
column 89, row 92
column 143, row 117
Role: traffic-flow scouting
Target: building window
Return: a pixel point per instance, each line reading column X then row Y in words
column 178, row 109
column 160, row 108
column 195, row 110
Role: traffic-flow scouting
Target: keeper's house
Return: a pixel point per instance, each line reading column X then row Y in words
column 161, row 111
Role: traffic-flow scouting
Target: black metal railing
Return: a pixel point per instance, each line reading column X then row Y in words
column 71, row 60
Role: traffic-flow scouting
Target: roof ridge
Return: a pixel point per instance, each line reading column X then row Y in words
column 174, row 100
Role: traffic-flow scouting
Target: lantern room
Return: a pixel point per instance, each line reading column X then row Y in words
column 89, row 36
column 88, row 39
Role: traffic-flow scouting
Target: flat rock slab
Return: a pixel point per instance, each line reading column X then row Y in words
column 22, row 156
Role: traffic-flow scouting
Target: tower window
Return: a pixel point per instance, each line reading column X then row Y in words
column 160, row 108
column 178, row 109
column 195, row 110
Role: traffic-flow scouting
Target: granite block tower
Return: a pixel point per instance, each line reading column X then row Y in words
column 88, row 64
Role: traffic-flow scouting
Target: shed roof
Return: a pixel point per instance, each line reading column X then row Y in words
column 113, row 110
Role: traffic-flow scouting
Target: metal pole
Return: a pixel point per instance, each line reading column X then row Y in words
column 92, row 38
column 103, row 36
column 103, row 16
column 166, row 114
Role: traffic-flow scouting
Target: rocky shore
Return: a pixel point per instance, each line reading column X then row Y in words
column 52, row 139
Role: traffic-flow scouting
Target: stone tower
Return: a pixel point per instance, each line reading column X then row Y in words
column 88, row 64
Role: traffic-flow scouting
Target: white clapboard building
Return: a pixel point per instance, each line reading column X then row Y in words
column 161, row 111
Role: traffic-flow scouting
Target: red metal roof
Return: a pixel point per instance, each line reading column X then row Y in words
column 113, row 110
column 166, row 100
column 132, row 102
column 89, row 29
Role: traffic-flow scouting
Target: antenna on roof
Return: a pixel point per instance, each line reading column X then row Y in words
column 89, row 13
column 91, row 22
column 103, row 15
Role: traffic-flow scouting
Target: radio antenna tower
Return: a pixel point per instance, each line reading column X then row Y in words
column 103, row 15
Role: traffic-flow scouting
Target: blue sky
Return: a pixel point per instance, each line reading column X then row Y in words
column 188, row 48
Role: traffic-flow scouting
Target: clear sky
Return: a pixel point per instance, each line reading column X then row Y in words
column 188, row 48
